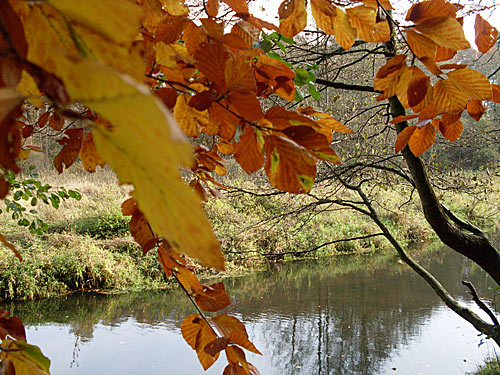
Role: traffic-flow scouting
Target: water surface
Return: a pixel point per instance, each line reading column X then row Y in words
column 345, row 315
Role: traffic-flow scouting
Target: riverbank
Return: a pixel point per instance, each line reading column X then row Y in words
column 87, row 245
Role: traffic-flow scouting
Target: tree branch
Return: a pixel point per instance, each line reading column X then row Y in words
column 345, row 86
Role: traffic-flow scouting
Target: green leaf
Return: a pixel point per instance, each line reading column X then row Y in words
column 313, row 92
column 74, row 194
column 301, row 77
column 26, row 359
column 299, row 96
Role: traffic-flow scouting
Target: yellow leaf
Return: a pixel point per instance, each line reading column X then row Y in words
column 473, row 83
column 422, row 139
column 166, row 55
column 364, row 20
column 117, row 20
column 293, row 17
column 334, row 21
column 445, row 31
column 175, row 7
column 25, row 358
column 188, row 118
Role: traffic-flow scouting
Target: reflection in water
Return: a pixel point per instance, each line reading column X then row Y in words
column 336, row 316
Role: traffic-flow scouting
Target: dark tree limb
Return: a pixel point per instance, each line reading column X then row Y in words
column 345, row 86
column 480, row 303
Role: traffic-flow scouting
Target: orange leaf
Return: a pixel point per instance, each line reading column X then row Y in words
column 428, row 112
column 141, row 231
column 232, row 328
column 388, row 75
column 10, row 246
column 188, row 117
column 445, row 31
column 170, row 29
column 422, row 139
column 72, row 142
column 211, row 61
column 196, row 185
column 239, row 77
column 214, row 298
column 403, row 137
column 473, row 83
column 402, row 118
column 420, row 45
column 293, row 17
column 425, row 10
column 334, row 125
column 412, row 86
column 214, row 29
column 194, row 37
column 364, row 20
column 247, row 106
column 205, row 336
column 486, row 35
column 88, row 153
column 451, row 131
column 496, row 93
column 324, row 15
column 476, row 109
column 288, row 166
column 248, row 152
column 212, row 8
column 449, row 98
column 246, row 31
column 190, row 327
column 239, row 6
column 128, row 207
column 443, row 54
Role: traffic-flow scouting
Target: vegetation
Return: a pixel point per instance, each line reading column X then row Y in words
column 490, row 367
column 221, row 80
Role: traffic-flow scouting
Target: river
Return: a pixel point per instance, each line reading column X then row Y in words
column 345, row 315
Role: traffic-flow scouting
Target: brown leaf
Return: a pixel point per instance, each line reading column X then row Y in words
column 42, row 120
column 476, row 109
column 422, row 139
column 212, row 8
column 232, row 328
column 216, row 346
column 88, row 153
column 141, row 231
column 205, row 336
column 12, row 326
column 233, row 369
column 196, row 185
column 168, row 96
column 56, row 121
column 214, row 29
column 214, row 298
column 4, row 188
column 402, row 118
column 364, row 20
column 443, row 54
column 486, row 35
column 246, row 31
column 10, row 136
column 13, row 26
column 403, row 137
column 248, row 152
column 190, row 327
column 203, row 100
column 12, row 247
column 128, row 207
column 239, row 76
column 293, row 17
column 27, row 130
column 72, row 142
column 194, row 37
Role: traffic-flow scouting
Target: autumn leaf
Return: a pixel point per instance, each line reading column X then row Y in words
column 448, row 97
column 56, row 121
column 426, row 10
column 141, row 231
column 26, row 359
column 232, row 328
column 472, row 83
column 496, row 93
column 445, row 31
column 421, row 45
column 288, row 166
column 403, row 137
column 198, row 334
column 11, row 326
column 334, row 21
column 451, row 131
column 239, row 6
column 364, row 20
column 293, row 17
column 214, row 298
column 72, row 143
column 476, row 109
column 248, row 152
column 212, row 8
column 486, row 35
column 422, row 139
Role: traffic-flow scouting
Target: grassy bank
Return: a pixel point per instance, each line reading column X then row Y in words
column 87, row 245
column 490, row 367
